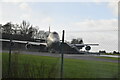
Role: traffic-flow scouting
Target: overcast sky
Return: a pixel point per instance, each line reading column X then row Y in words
column 94, row 21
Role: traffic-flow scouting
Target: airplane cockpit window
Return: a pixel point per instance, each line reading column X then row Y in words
column 55, row 33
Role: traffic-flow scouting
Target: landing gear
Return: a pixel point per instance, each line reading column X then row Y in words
column 52, row 51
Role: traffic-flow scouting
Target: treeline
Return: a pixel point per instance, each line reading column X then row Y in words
column 22, row 31
column 104, row 52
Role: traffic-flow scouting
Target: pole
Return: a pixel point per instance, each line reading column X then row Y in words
column 9, row 62
column 62, row 55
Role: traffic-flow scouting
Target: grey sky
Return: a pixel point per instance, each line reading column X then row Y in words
column 95, row 22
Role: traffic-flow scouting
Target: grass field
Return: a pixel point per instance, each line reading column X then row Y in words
column 32, row 66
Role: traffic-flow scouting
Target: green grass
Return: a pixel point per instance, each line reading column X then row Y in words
column 90, row 69
column 31, row 66
column 49, row 67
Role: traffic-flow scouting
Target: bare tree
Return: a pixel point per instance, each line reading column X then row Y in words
column 24, row 27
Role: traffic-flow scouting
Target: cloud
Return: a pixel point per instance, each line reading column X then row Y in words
column 60, row 1
column 101, row 31
column 105, row 1
column 12, row 1
column 114, row 7
column 90, row 24
column 25, row 17
column 89, row 27
column 112, row 4
column 24, row 6
column 47, row 20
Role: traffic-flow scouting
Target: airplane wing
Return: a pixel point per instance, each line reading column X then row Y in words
column 85, row 45
column 4, row 40
column 24, row 42
column 37, row 43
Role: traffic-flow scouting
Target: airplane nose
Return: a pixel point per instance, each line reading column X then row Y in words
column 55, row 42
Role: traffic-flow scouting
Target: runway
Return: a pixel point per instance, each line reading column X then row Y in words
column 91, row 57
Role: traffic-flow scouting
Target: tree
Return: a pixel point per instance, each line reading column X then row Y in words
column 27, row 29
column 114, row 52
column 32, row 31
column 7, row 28
column 77, row 41
column 102, row 51
column 73, row 41
column 1, row 28
column 16, row 28
column 80, row 41
column 24, row 27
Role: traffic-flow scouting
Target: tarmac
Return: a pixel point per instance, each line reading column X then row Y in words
column 90, row 57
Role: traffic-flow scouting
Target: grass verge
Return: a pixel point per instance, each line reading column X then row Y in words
column 32, row 66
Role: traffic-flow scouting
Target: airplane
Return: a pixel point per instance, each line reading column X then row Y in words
column 52, row 43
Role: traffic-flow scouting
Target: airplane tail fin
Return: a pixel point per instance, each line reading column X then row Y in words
column 49, row 29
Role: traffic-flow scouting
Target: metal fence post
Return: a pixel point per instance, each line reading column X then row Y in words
column 62, row 55
column 9, row 62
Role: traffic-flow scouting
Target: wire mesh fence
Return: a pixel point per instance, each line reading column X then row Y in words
column 31, row 65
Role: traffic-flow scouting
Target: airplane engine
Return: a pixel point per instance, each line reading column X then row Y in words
column 27, row 46
column 87, row 48
column 12, row 44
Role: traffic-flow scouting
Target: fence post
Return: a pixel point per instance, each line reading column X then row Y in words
column 62, row 55
column 9, row 62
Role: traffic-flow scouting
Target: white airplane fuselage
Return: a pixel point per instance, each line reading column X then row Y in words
column 53, row 40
